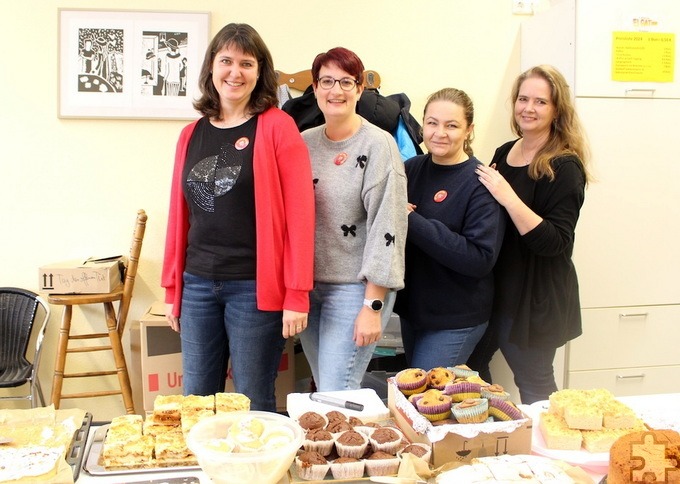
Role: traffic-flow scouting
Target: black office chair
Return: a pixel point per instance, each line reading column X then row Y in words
column 18, row 317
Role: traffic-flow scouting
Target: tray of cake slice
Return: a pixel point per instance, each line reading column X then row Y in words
column 580, row 426
column 156, row 442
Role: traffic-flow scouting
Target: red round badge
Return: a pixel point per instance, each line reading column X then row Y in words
column 340, row 159
column 440, row 196
column 241, row 143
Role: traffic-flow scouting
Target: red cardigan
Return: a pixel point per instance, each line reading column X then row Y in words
column 284, row 213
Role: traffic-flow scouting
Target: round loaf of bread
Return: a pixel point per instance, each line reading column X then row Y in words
column 650, row 455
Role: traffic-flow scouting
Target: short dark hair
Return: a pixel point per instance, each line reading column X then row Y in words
column 345, row 59
column 246, row 39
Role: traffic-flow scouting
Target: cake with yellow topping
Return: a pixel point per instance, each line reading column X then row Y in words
column 557, row 434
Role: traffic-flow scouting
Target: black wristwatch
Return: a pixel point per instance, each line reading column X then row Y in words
column 375, row 304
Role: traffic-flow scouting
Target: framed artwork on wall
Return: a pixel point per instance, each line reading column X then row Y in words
column 130, row 64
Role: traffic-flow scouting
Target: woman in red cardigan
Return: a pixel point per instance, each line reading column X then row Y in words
column 240, row 240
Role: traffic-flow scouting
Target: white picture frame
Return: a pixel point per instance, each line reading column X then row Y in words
column 130, row 64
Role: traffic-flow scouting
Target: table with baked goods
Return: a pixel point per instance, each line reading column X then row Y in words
column 657, row 411
column 661, row 411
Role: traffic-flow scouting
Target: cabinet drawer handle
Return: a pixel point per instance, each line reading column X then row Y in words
column 641, row 92
column 628, row 377
column 633, row 315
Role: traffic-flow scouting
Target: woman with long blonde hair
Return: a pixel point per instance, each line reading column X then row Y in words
column 540, row 180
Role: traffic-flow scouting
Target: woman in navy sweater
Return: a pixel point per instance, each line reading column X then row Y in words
column 455, row 231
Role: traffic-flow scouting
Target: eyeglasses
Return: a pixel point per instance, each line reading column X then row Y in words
column 346, row 83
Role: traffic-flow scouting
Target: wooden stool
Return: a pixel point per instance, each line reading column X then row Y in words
column 115, row 325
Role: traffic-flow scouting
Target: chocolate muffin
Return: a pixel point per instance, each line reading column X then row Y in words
column 311, row 465
column 351, row 444
column 337, row 426
column 381, row 464
column 312, row 420
column 319, row 440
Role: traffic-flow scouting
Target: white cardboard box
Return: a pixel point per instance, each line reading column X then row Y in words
column 91, row 276
column 374, row 409
column 157, row 360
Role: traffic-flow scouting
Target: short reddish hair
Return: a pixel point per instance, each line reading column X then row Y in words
column 345, row 59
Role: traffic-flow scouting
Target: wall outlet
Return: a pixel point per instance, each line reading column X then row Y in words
column 522, row 7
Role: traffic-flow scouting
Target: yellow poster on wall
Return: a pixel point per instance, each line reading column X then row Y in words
column 643, row 56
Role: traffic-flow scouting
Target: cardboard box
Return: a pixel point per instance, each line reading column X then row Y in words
column 157, row 360
column 91, row 276
column 459, row 443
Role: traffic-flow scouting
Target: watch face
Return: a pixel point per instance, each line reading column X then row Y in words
column 376, row 305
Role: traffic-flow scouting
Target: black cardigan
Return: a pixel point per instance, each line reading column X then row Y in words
column 536, row 283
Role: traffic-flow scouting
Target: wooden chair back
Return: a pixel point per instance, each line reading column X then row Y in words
column 303, row 79
column 131, row 270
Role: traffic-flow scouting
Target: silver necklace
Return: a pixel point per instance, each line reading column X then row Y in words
column 521, row 148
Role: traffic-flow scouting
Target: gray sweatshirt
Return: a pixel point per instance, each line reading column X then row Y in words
column 360, row 197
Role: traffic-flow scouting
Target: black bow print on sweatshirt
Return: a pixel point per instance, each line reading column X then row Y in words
column 352, row 229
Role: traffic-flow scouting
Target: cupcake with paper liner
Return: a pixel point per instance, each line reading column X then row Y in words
column 347, row 468
column 423, row 451
column 367, row 430
column 311, row 466
column 387, row 439
column 312, row 420
column 494, row 391
column 471, row 410
column 355, row 421
column 438, row 377
column 338, row 426
column 464, row 371
column 477, row 379
column 381, row 463
column 462, row 390
column 413, row 399
column 335, row 415
column 411, row 380
column 351, row 444
column 319, row 440
column 504, row 410
column 434, row 405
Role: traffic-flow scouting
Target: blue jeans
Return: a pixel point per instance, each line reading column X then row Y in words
column 220, row 320
column 429, row 349
column 532, row 368
column 337, row 363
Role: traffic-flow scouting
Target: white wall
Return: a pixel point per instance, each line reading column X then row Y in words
column 70, row 188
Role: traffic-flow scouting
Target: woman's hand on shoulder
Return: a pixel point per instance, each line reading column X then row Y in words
column 497, row 185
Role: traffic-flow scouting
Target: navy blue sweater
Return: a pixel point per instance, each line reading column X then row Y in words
column 454, row 237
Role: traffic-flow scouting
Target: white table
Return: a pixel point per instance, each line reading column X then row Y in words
column 658, row 411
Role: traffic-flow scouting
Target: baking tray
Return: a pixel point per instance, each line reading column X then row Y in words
column 93, row 466
column 74, row 457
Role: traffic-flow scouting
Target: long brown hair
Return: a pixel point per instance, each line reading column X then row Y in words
column 247, row 40
column 567, row 136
